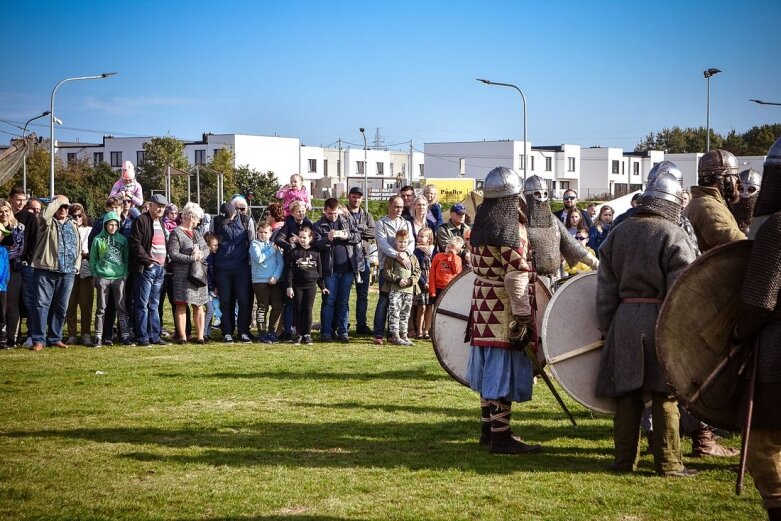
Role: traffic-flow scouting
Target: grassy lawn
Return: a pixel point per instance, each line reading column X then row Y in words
column 328, row 431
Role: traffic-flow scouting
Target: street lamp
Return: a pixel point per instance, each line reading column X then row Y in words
column 24, row 154
column 708, row 74
column 365, row 169
column 525, row 144
column 760, row 102
column 51, row 114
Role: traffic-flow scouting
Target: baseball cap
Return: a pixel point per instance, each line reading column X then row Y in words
column 159, row 199
column 356, row 190
column 458, row 208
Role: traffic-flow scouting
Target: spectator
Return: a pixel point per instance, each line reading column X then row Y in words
column 424, row 250
column 454, row 227
column 419, row 216
column 364, row 222
column 232, row 273
column 434, row 208
column 213, row 304
column 83, row 292
column 445, row 266
column 127, row 188
column 267, row 267
column 401, row 283
column 109, row 260
column 5, row 275
column 241, row 205
column 295, row 191
column 148, row 256
column 601, row 227
column 591, row 210
column 287, row 239
column 385, row 233
column 15, row 244
column 186, row 248
column 339, row 244
column 570, row 203
column 275, row 217
column 636, row 201
column 576, row 226
column 407, row 194
column 35, row 207
column 55, row 263
column 114, row 205
column 687, row 197
column 303, row 274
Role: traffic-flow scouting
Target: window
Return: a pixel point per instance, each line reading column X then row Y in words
column 71, row 157
column 325, row 167
column 339, row 168
column 116, row 159
column 420, row 166
column 391, row 169
column 214, row 151
column 636, row 169
column 312, row 165
column 570, row 164
column 548, row 164
column 521, row 161
column 200, row 157
column 531, row 161
column 97, row 158
column 380, row 168
column 564, row 185
column 360, row 166
column 614, row 168
column 140, row 158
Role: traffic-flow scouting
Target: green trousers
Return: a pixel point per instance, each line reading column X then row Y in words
column 666, row 438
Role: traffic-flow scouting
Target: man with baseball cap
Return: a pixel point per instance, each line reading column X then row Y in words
column 56, row 261
column 455, row 226
column 148, row 238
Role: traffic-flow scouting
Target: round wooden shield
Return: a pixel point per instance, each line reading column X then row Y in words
column 695, row 339
column 572, row 342
column 449, row 323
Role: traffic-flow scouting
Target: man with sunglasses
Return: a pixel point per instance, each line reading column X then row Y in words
column 570, row 203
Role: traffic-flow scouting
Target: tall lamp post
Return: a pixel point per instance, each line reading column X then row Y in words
column 708, row 74
column 761, row 102
column 365, row 168
column 51, row 115
column 525, row 143
column 24, row 156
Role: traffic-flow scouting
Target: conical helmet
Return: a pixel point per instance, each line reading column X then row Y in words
column 665, row 187
column 664, row 166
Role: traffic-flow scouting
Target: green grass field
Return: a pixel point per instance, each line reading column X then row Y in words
column 329, row 431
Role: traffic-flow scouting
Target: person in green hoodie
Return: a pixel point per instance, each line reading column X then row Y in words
column 109, row 259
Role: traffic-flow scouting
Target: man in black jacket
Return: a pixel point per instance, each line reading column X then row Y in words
column 364, row 221
column 570, row 202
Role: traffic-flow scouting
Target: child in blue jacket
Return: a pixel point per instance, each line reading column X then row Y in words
column 267, row 265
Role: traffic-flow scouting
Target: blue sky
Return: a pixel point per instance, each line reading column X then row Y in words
column 594, row 73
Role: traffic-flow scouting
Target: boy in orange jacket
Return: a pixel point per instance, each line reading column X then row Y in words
column 445, row 266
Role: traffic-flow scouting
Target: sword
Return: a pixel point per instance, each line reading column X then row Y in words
column 752, row 384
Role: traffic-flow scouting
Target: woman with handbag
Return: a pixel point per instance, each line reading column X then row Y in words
column 187, row 252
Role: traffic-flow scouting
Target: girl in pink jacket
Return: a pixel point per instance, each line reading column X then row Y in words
column 295, row 191
column 127, row 187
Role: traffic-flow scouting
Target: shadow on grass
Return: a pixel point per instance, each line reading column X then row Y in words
column 407, row 374
column 350, row 444
column 286, row 517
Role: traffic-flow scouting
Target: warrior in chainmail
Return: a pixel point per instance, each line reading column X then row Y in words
column 501, row 312
column 671, row 168
column 717, row 177
column 633, row 279
column 749, row 183
column 548, row 237
column 760, row 316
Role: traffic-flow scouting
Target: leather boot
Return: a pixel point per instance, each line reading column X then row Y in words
column 485, row 422
column 502, row 439
column 704, row 444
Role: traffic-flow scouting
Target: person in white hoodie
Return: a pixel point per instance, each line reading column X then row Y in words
column 267, row 265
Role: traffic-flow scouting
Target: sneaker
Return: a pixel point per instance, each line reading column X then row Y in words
column 288, row 338
column 406, row 341
column 165, row 333
column 145, row 343
column 98, row 342
column 307, row 339
column 326, row 338
column 345, row 339
column 216, row 322
column 127, row 342
column 86, row 339
column 228, row 339
column 28, row 343
column 397, row 341
column 298, row 340
column 161, row 342
column 108, row 342
column 364, row 330
column 245, row 338
column 272, row 338
column 71, row 340
column 378, row 341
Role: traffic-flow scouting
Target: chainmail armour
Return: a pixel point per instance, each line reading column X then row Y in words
column 496, row 223
column 761, row 289
column 769, row 198
column 670, row 210
column 549, row 239
column 743, row 210
column 686, row 224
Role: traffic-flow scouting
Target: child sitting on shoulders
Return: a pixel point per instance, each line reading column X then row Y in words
column 267, row 265
column 295, row 191
column 127, row 187
column 445, row 266
column 402, row 284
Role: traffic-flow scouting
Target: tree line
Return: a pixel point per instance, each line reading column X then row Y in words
column 676, row 140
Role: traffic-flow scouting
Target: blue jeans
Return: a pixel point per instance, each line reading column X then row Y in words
column 149, row 286
column 52, row 292
column 207, row 319
column 381, row 311
column 362, row 297
column 337, row 302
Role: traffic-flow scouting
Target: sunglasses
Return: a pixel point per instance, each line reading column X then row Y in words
column 239, row 208
column 77, row 216
column 569, row 197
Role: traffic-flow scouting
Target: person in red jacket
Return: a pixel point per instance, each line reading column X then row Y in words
column 445, row 266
